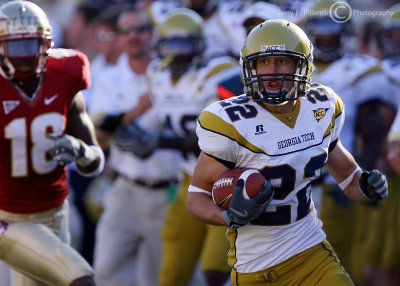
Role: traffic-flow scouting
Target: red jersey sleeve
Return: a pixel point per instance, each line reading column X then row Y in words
column 75, row 64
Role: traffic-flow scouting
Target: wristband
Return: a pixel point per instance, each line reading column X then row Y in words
column 348, row 180
column 100, row 165
column 193, row 189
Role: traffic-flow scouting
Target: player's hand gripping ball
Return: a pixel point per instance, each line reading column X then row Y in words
column 223, row 188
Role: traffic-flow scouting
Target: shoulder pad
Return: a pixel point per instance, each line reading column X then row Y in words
column 73, row 63
column 218, row 64
column 391, row 68
column 371, row 70
column 348, row 70
column 322, row 91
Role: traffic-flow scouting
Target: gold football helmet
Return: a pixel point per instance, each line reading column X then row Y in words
column 180, row 40
column 389, row 35
column 274, row 38
column 328, row 25
column 25, row 37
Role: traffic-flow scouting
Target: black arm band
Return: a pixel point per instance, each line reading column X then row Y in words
column 171, row 142
column 230, row 165
column 332, row 145
column 110, row 123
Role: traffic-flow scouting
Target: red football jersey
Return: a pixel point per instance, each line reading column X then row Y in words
column 29, row 182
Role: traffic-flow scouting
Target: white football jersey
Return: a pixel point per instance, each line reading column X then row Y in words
column 356, row 79
column 217, row 42
column 391, row 68
column 289, row 150
column 230, row 17
column 118, row 90
column 340, row 76
column 178, row 104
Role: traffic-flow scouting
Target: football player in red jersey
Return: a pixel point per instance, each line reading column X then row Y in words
column 43, row 127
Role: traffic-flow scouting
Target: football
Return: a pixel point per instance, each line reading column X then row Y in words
column 222, row 190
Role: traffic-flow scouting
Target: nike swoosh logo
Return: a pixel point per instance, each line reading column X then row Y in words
column 47, row 101
column 225, row 200
column 240, row 213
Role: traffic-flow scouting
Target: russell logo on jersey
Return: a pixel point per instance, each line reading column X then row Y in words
column 260, row 130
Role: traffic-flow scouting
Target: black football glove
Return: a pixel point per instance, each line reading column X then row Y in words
column 186, row 145
column 241, row 211
column 374, row 185
column 134, row 139
column 110, row 123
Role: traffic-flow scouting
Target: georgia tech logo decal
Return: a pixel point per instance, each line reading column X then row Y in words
column 320, row 113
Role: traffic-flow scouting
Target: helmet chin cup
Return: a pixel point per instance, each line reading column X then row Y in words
column 278, row 97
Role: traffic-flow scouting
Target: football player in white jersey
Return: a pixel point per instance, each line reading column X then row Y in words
column 363, row 88
column 182, row 83
column 159, row 9
column 288, row 129
column 135, row 205
column 388, row 265
column 217, row 35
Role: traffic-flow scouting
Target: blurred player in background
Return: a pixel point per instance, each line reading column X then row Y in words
column 108, row 44
column 254, row 14
column 128, row 242
column 159, row 9
column 218, row 26
column 80, row 33
column 362, row 86
column 383, row 269
column 43, row 127
column 276, row 237
column 182, row 83
column 223, row 32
